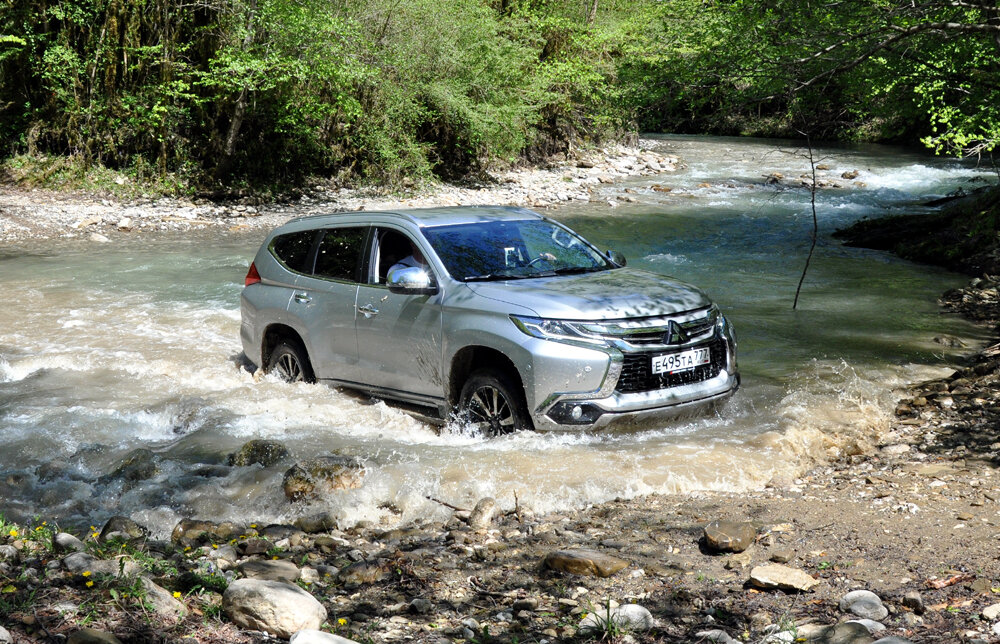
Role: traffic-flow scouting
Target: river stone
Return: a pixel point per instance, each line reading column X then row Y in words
column 315, row 477
column 92, row 636
column 892, row 639
column 629, row 617
column 65, row 542
column 5, row 637
column 309, row 636
column 163, row 602
column 125, row 526
column 844, row 633
column 991, row 612
column 914, row 602
column 9, row 554
column 314, row 523
column 81, row 562
column 872, row 626
column 778, row 577
column 280, row 570
column 482, row 514
column 718, row 636
column 272, row 606
column 584, row 562
column 729, row 536
column 138, row 465
column 189, row 532
column 362, row 572
column 259, row 452
column 864, row 604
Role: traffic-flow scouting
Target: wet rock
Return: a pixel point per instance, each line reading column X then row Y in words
column 729, row 536
column 65, row 542
column 137, row 466
column 273, row 607
column 279, row 570
column 318, row 476
column 309, row 636
column 314, row 523
column 778, row 577
column 850, row 175
column 629, row 618
column 914, row 602
column 864, row 604
column 584, row 562
column 123, row 526
column 189, row 532
column 259, row 452
column 363, row 572
column 162, row 602
column 482, row 514
column 92, row 636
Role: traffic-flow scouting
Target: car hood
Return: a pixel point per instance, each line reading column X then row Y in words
column 606, row 295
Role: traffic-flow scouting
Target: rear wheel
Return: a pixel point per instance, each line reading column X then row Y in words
column 495, row 404
column 290, row 362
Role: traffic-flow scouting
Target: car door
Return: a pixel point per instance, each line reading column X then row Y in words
column 325, row 301
column 399, row 336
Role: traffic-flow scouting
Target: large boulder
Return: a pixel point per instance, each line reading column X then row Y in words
column 272, row 606
column 315, row 477
column 584, row 562
column 729, row 536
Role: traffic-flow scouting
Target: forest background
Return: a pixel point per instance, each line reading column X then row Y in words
column 224, row 95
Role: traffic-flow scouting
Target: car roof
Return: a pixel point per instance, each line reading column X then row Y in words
column 421, row 217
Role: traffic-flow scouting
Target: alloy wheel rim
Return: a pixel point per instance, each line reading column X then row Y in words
column 490, row 411
column 289, row 368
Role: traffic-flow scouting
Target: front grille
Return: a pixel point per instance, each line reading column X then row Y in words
column 637, row 371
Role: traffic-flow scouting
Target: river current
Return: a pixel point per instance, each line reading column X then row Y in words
column 107, row 348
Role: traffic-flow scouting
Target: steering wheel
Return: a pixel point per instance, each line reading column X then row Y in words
column 548, row 257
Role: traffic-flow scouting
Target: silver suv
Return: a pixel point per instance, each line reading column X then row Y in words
column 508, row 318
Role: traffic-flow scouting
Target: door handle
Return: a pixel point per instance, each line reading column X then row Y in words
column 302, row 298
column 368, row 310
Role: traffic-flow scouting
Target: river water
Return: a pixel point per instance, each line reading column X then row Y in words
column 106, row 348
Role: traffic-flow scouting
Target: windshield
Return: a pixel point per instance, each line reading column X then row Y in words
column 501, row 250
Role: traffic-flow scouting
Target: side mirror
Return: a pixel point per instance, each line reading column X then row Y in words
column 411, row 280
column 615, row 257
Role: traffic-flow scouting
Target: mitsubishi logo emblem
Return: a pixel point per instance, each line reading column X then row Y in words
column 675, row 334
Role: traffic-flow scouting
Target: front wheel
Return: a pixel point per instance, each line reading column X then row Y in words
column 492, row 402
column 290, row 362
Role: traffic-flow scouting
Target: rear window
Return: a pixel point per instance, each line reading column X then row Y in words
column 292, row 250
column 339, row 253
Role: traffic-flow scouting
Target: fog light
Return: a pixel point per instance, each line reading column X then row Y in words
column 571, row 413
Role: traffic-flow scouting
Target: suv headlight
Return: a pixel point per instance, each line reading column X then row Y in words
column 556, row 330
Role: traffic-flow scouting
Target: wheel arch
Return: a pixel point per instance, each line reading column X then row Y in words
column 468, row 359
column 275, row 335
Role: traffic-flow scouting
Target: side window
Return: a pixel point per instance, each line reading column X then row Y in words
column 292, row 249
column 393, row 247
column 339, row 253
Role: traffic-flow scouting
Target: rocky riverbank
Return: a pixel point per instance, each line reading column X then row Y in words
column 911, row 522
column 37, row 214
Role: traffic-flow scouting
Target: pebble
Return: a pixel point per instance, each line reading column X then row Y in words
column 864, row 604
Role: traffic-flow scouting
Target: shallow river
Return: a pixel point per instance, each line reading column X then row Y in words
column 108, row 348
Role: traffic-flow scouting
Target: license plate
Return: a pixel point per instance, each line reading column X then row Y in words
column 684, row 361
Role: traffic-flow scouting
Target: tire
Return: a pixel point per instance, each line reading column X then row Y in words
column 290, row 362
column 494, row 403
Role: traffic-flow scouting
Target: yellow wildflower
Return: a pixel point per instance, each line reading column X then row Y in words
column 13, row 532
column 342, row 622
column 177, row 594
column 90, row 583
column 94, row 536
column 86, row 573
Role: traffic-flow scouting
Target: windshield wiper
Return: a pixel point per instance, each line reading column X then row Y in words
column 494, row 277
column 569, row 270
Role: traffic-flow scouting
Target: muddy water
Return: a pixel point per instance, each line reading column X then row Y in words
column 108, row 348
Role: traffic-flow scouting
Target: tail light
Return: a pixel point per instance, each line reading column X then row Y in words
column 252, row 276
